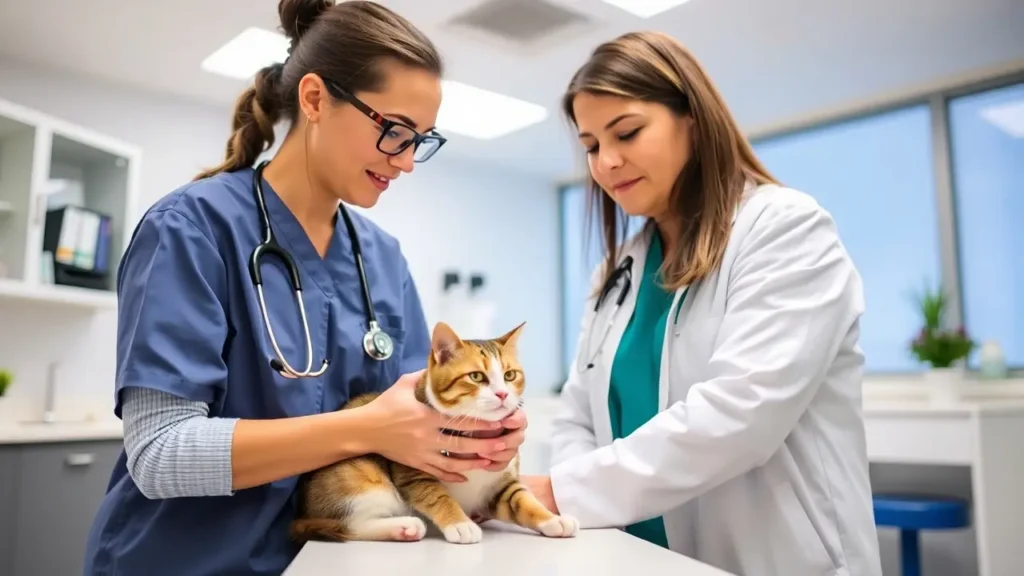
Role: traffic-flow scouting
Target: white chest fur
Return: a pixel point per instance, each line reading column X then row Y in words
column 476, row 492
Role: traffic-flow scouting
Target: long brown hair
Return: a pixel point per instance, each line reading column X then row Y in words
column 654, row 67
column 344, row 42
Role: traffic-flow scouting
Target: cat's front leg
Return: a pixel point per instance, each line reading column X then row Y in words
column 514, row 503
column 428, row 496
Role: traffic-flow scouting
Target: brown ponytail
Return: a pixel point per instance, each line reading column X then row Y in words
column 257, row 110
column 343, row 42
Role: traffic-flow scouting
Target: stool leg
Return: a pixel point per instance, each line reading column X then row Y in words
column 910, row 553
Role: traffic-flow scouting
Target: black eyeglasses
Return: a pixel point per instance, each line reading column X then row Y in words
column 395, row 137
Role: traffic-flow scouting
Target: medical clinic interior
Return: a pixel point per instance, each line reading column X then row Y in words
column 903, row 120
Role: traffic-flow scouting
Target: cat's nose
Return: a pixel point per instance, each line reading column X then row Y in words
column 501, row 394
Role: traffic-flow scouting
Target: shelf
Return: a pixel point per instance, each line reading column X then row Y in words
column 64, row 189
column 57, row 295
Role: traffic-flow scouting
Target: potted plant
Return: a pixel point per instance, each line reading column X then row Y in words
column 940, row 346
column 5, row 381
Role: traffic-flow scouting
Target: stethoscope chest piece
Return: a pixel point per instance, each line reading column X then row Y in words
column 377, row 344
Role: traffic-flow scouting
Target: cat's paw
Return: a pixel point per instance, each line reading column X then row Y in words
column 407, row 529
column 463, row 533
column 396, row 528
column 559, row 527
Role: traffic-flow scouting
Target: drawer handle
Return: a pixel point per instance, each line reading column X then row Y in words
column 83, row 459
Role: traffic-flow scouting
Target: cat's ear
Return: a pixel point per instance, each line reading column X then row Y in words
column 510, row 338
column 444, row 342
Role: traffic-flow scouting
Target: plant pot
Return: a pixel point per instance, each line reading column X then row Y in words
column 945, row 385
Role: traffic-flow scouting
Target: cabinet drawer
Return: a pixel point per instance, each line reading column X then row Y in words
column 61, row 487
column 10, row 457
column 920, row 439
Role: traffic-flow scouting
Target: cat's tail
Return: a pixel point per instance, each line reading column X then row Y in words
column 320, row 529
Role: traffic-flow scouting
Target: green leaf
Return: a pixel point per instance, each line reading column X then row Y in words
column 936, row 344
column 6, row 378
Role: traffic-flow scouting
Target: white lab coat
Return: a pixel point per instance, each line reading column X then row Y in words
column 756, row 459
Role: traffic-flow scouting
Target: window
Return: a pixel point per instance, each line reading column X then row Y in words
column 579, row 259
column 576, row 266
column 875, row 176
column 986, row 132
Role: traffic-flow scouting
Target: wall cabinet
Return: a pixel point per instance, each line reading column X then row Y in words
column 49, row 494
column 47, row 166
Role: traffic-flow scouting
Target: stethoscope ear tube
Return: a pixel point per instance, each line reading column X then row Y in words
column 273, row 249
column 625, row 268
column 376, row 343
column 624, row 271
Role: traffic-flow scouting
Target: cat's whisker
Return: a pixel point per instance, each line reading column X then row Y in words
column 452, row 422
column 455, row 420
column 467, row 416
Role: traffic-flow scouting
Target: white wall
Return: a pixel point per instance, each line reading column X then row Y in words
column 447, row 214
column 459, row 216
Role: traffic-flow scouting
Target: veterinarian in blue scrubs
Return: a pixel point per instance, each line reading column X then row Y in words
column 225, row 406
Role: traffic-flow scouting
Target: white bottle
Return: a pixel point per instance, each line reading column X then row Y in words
column 993, row 363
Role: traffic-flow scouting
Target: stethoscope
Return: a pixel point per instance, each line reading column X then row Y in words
column 623, row 271
column 376, row 343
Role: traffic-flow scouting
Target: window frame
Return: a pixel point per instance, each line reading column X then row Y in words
column 937, row 97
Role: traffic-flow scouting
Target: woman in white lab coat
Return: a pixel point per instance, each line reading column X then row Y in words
column 714, row 406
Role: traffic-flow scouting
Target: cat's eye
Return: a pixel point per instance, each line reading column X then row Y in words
column 477, row 377
column 510, row 375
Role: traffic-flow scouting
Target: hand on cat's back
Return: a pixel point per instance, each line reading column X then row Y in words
column 515, row 426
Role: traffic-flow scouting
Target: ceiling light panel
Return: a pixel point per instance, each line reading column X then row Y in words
column 645, row 8
column 482, row 114
column 1007, row 117
column 465, row 110
column 244, row 55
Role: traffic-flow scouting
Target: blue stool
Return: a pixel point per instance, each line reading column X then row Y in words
column 911, row 514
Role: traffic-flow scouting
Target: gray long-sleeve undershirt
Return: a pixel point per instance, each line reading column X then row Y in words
column 174, row 448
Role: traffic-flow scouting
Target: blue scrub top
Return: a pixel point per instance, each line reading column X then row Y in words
column 189, row 323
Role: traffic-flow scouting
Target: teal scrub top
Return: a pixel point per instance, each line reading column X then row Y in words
column 633, row 392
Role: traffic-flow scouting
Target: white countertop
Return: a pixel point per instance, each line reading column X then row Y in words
column 504, row 551
column 882, row 398
column 39, row 432
column 966, row 407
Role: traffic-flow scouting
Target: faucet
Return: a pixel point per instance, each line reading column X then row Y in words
column 49, row 415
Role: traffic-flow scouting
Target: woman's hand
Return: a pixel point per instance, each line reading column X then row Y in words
column 405, row 430
column 515, row 424
column 540, row 486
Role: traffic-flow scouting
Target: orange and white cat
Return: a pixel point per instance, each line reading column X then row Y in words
column 373, row 498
